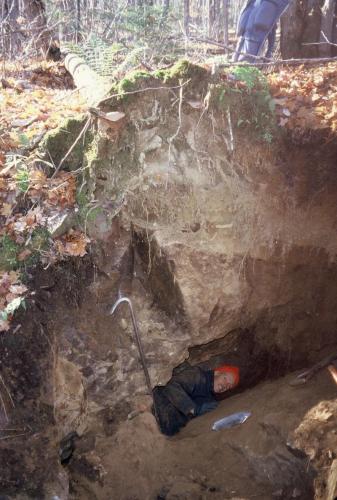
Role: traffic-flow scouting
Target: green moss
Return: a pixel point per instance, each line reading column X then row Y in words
column 8, row 253
column 185, row 69
column 22, row 178
column 59, row 141
column 161, row 74
column 86, row 211
column 39, row 242
column 39, row 239
column 132, row 81
column 91, row 151
column 182, row 69
column 251, row 104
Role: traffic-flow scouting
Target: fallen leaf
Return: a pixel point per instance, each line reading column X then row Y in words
column 24, row 254
column 4, row 325
column 6, row 209
column 23, row 123
column 195, row 104
column 18, row 289
column 73, row 244
column 283, row 122
column 114, row 116
column 10, row 297
column 20, row 225
column 13, row 276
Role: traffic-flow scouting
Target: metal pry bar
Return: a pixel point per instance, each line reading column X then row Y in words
column 138, row 341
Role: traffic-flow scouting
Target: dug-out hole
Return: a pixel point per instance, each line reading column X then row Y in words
column 239, row 348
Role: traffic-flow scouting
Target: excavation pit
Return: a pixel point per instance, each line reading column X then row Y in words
column 226, row 245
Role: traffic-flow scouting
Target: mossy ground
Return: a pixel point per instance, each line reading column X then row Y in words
column 251, row 103
column 58, row 142
column 10, row 250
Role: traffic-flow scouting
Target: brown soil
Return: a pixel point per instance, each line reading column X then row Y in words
column 253, row 460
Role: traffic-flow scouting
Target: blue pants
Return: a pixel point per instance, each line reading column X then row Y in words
column 258, row 22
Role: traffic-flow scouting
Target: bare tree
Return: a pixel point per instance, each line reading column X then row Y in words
column 24, row 22
column 166, row 7
column 301, row 28
column 187, row 17
column 328, row 28
column 78, row 20
column 225, row 22
column 211, row 17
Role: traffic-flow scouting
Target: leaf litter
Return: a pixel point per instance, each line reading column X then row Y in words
column 306, row 98
column 35, row 97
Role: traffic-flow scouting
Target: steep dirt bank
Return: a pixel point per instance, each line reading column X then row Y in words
column 227, row 246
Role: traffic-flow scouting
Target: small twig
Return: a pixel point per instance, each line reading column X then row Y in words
column 8, row 393
column 171, row 139
column 4, row 407
column 71, row 149
column 13, row 436
column 146, row 66
column 141, row 90
column 327, row 41
column 320, row 43
column 6, row 429
column 230, row 49
column 61, row 97
column 97, row 205
column 231, row 136
column 281, row 62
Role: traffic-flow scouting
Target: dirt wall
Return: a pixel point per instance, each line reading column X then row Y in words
column 229, row 233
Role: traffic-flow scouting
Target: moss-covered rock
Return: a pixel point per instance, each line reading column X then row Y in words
column 183, row 69
column 137, row 80
column 132, row 80
column 58, row 142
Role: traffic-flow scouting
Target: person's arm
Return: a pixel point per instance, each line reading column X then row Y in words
column 179, row 390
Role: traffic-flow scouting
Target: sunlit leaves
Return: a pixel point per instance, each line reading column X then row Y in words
column 306, row 97
column 33, row 100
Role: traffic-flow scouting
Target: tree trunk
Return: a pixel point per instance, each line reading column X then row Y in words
column 92, row 86
column 78, row 20
column 187, row 17
column 166, row 7
column 225, row 23
column 211, row 17
column 327, row 27
column 24, row 26
column 334, row 31
column 300, row 27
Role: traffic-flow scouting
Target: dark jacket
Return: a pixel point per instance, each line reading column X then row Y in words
column 181, row 399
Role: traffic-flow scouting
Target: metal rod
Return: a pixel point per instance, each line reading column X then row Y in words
column 138, row 341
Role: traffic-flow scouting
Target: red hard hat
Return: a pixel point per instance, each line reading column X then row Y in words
column 233, row 370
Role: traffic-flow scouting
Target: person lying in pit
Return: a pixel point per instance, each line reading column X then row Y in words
column 191, row 393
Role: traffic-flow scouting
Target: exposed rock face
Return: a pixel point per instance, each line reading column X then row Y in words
column 224, row 243
column 232, row 233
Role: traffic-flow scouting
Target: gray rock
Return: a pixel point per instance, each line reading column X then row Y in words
column 60, row 222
